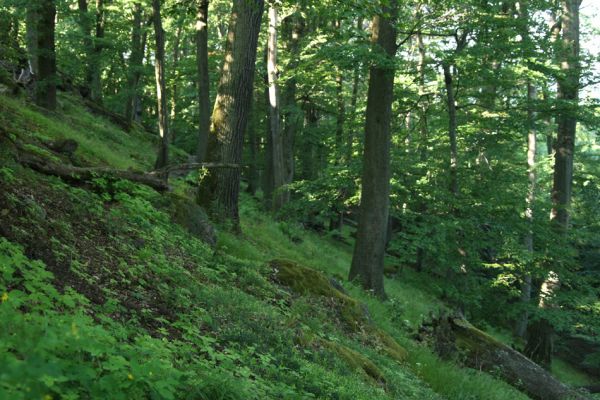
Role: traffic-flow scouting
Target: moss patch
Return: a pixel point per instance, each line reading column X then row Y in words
column 355, row 360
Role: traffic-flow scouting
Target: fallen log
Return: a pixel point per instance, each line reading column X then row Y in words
column 177, row 169
column 70, row 173
column 485, row 353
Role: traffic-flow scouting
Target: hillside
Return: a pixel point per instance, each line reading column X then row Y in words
column 106, row 295
column 109, row 291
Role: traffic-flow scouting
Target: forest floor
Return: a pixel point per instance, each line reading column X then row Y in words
column 108, row 290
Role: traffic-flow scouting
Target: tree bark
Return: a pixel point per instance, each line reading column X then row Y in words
column 95, row 58
column 277, row 166
column 203, row 79
column 369, row 248
column 45, row 91
column 231, row 110
column 161, row 91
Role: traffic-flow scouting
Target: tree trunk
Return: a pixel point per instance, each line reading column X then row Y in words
column 135, row 62
column 45, row 91
column 277, row 166
column 369, row 248
column 175, row 93
column 353, row 102
column 95, row 59
column 85, row 24
column 203, row 79
column 31, row 36
column 525, row 297
column 231, row 110
column 539, row 336
column 294, row 26
column 161, row 93
column 451, row 103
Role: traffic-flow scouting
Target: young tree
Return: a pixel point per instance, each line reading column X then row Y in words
column 45, row 91
column 161, row 91
column 232, row 107
column 369, row 248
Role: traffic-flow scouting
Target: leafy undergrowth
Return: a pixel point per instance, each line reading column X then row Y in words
column 104, row 296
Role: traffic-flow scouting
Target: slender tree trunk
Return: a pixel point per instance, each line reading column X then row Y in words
column 369, row 248
column 203, row 79
column 135, row 62
column 525, row 297
column 277, row 166
column 353, row 102
column 95, row 59
column 175, row 92
column 230, row 114
column 45, row 91
column 161, row 93
column 423, row 142
column 539, row 335
column 31, row 36
column 294, row 26
column 85, row 24
column 451, row 103
column 254, row 149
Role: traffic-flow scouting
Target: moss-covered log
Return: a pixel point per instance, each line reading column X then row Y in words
column 486, row 353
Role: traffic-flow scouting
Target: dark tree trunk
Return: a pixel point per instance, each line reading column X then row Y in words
column 45, row 91
column 135, row 63
column 203, row 79
column 369, row 248
column 161, row 93
column 230, row 114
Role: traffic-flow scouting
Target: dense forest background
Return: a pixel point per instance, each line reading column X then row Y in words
column 457, row 140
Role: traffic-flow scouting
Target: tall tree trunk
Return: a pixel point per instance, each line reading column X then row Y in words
column 369, row 248
column 85, row 24
column 31, row 35
column 525, row 297
column 539, row 335
column 175, row 93
column 161, row 93
column 277, row 166
column 353, row 101
column 95, row 59
column 451, row 103
column 231, row 110
column 294, row 26
column 424, row 136
column 135, row 62
column 45, row 91
column 203, row 80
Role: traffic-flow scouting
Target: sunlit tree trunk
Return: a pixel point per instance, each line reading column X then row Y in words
column 276, row 158
column 45, row 91
column 369, row 248
column 231, row 110
column 203, row 79
column 161, row 93
column 95, row 59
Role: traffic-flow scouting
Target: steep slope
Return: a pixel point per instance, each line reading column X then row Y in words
column 109, row 291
